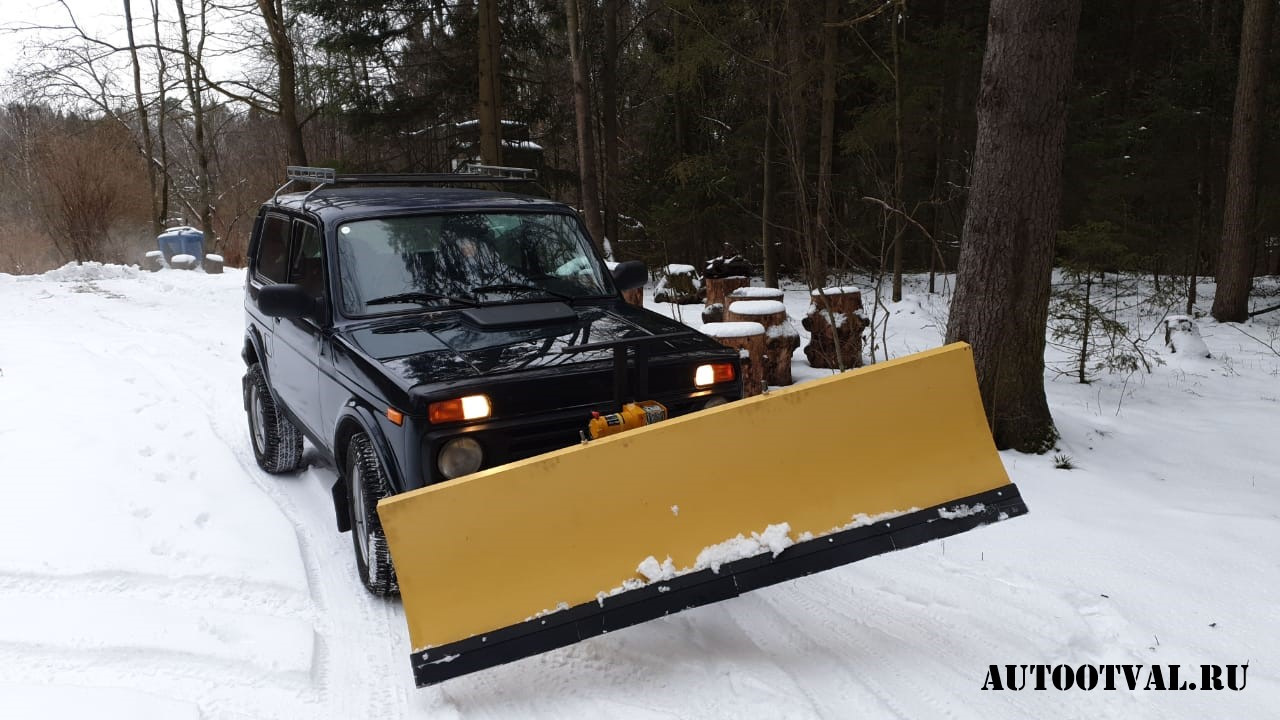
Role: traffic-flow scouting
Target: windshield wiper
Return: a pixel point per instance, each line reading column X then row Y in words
column 499, row 287
column 421, row 298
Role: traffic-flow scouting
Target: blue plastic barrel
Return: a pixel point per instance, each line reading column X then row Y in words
column 181, row 241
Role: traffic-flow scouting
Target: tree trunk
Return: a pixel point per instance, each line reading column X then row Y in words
column 1001, row 302
column 768, row 249
column 161, row 72
column 898, row 236
column 582, row 116
column 609, row 91
column 144, row 123
column 287, row 72
column 489, row 110
column 1239, row 224
column 826, row 134
column 191, row 61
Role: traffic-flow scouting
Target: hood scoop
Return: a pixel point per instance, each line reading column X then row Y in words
column 497, row 317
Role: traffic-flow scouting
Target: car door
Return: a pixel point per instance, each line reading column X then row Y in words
column 296, row 346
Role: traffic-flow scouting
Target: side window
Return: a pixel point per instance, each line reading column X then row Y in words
column 306, row 260
column 273, row 248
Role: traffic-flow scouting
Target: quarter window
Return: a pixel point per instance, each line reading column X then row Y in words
column 273, row 248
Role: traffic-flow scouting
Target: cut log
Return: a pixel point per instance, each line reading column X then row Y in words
column 713, row 314
column 213, row 264
column 153, row 261
column 719, row 288
column 634, row 296
column 748, row 339
column 781, row 338
column 835, row 316
column 678, row 284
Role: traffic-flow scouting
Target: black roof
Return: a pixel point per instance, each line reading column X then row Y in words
column 336, row 203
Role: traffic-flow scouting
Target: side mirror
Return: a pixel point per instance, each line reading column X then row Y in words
column 630, row 275
column 286, row 301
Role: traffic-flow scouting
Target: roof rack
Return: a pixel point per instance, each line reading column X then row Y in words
column 470, row 173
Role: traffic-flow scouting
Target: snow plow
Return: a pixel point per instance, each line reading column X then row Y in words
column 541, row 553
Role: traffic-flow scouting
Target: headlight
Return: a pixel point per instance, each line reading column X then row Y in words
column 714, row 373
column 460, row 456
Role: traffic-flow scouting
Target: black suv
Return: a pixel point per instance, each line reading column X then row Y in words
column 416, row 329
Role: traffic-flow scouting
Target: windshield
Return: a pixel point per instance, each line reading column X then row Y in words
column 392, row 264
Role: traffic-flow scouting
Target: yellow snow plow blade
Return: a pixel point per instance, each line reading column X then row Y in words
column 522, row 558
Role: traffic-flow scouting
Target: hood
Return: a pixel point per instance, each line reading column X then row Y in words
column 452, row 346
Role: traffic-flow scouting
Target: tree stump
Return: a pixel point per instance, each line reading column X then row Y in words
column 748, row 339
column 713, row 314
column 719, row 288
column 183, row 262
column 835, row 315
column 678, row 284
column 634, row 296
column 781, row 338
column 1182, row 336
column 153, row 261
column 213, row 264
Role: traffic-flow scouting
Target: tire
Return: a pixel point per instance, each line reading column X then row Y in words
column 277, row 444
column 367, row 484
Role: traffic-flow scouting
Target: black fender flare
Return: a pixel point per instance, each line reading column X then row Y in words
column 356, row 418
column 252, row 341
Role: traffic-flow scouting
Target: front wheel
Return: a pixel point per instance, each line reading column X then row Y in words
column 277, row 443
column 367, row 484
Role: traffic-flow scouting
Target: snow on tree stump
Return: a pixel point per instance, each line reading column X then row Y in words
column 153, row 261
column 748, row 339
column 835, row 315
column 755, row 293
column 1182, row 336
column 713, row 314
column 183, row 262
column 718, row 288
column 678, row 284
column 780, row 336
column 213, row 264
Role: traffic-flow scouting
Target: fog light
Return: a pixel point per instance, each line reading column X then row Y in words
column 460, row 456
column 711, row 374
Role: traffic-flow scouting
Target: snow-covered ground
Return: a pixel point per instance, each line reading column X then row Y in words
column 148, row 569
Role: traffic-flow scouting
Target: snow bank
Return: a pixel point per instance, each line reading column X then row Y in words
column 89, row 271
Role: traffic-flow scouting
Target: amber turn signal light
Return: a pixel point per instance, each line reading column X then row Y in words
column 471, row 407
column 395, row 416
column 714, row 373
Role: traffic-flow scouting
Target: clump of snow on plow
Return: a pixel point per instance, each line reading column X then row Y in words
column 774, row 539
column 962, row 511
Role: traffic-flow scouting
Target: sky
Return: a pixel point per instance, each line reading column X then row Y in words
column 94, row 15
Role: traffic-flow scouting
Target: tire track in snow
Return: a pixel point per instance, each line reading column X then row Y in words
column 228, row 594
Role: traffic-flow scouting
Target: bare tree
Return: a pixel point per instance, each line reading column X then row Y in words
column 1001, row 301
column 282, row 52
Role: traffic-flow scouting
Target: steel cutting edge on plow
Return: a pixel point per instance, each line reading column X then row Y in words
column 485, row 560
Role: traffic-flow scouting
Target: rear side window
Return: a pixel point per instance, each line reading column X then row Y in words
column 273, row 248
column 306, row 260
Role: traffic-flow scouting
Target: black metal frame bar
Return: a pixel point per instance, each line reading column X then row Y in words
column 539, row 635
column 624, row 391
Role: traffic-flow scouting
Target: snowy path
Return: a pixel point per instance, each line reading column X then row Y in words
column 148, row 569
